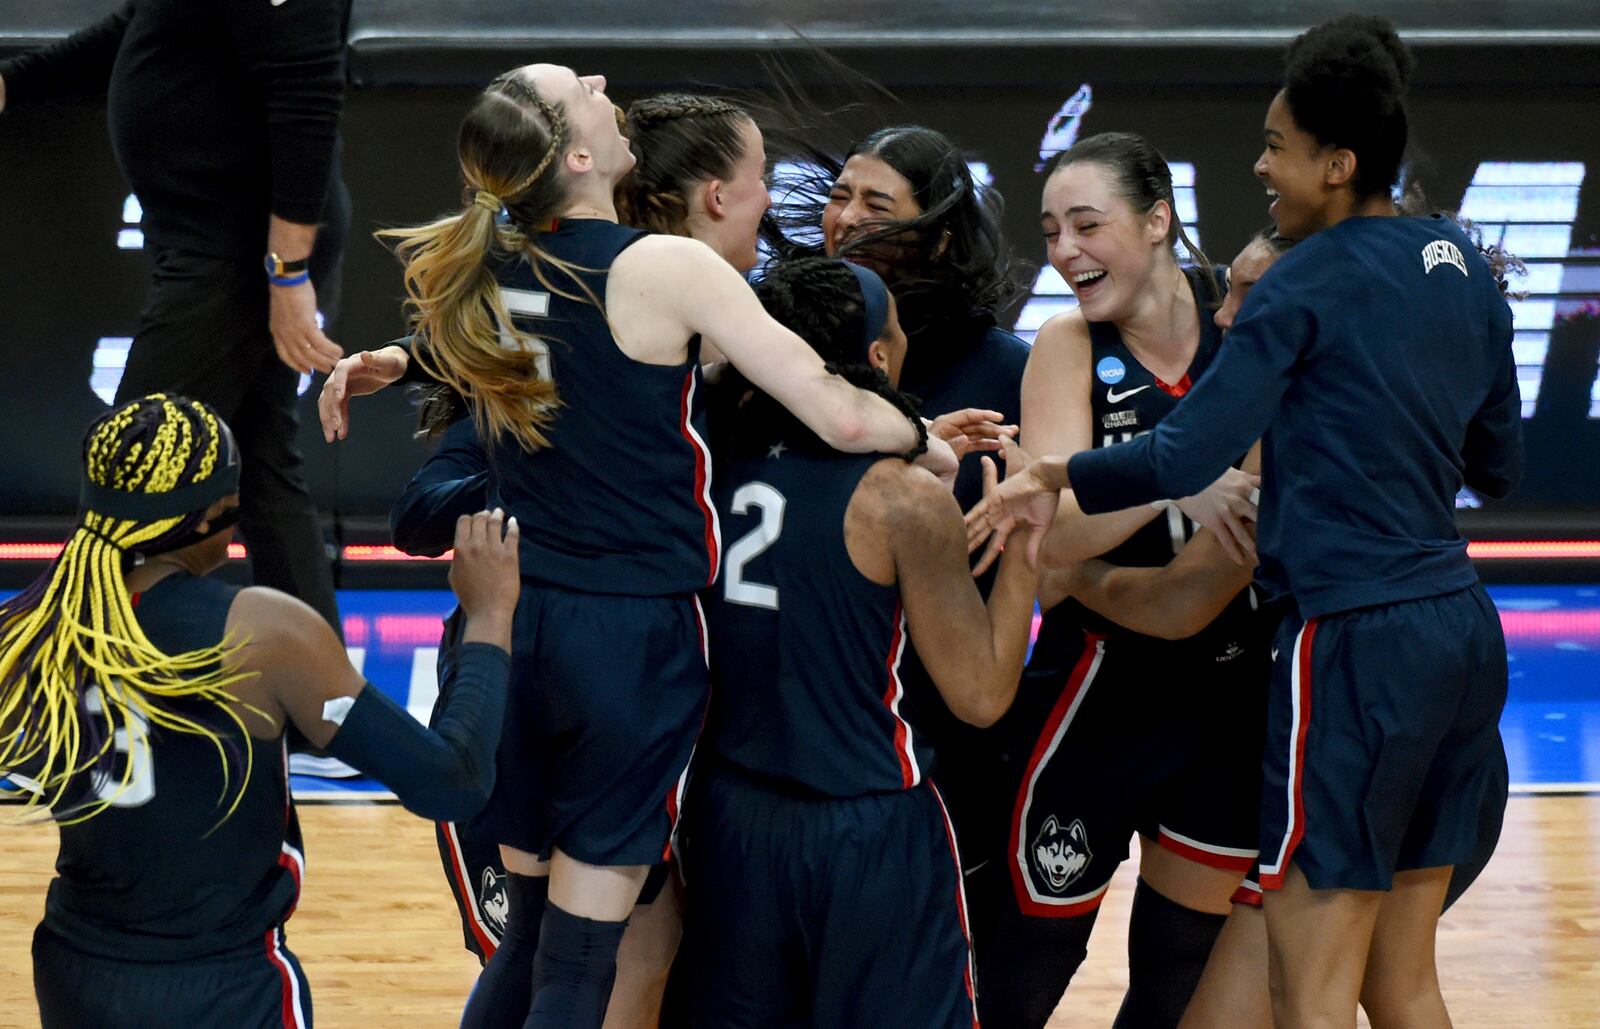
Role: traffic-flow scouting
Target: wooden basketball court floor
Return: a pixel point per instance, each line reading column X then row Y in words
column 381, row 943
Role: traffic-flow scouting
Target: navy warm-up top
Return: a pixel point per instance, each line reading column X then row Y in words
column 1375, row 357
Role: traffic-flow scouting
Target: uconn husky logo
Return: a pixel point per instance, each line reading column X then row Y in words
column 492, row 900
column 1061, row 854
column 1442, row 251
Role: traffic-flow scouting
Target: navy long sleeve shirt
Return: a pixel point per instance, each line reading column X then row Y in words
column 1375, row 361
column 451, row 483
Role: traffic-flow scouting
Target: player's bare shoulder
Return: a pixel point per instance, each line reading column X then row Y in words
column 909, row 502
column 894, row 503
column 658, row 262
column 1062, row 334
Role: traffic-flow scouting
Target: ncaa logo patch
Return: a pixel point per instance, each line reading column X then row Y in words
column 493, row 901
column 1061, row 856
column 1111, row 370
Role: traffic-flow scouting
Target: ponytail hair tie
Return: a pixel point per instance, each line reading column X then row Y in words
column 488, row 201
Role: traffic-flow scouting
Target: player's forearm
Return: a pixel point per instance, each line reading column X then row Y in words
column 1075, row 536
column 1151, row 601
column 443, row 774
column 853, row 420
column 1010, row 611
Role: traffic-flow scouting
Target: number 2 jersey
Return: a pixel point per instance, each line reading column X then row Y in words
column 166, row 873
column 806, row 691
column 1128, row 400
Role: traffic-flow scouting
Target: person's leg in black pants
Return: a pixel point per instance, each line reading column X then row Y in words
column 203, row 333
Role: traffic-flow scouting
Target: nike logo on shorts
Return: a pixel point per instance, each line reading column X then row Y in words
column 1113, row 397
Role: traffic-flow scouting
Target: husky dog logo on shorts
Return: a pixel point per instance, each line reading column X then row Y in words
column 492, row 900
column 1061, row 855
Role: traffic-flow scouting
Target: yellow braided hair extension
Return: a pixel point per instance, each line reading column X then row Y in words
column 74, row 631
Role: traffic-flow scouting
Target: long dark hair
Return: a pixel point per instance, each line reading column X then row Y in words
column 820, row 300
column 1142, row 179
column 952, row 262
column 1345, row 84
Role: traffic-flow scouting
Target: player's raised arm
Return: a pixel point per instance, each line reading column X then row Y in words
column 974, row 652
column 446, row 773
column 711, row 299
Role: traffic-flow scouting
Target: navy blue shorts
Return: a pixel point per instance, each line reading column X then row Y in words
column 1384, row 750
column 607, row 697
column 470, row 855
column 257, row 988
column 1118, row 736
column 822, row 911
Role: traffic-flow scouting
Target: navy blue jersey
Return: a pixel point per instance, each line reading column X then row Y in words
column 161, row 875
column 1128, row 400
column 620, row 501
column 805, row 650
column 1376, row 358
column 985, row 373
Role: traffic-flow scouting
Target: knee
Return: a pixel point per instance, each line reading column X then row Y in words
column 1403, row 997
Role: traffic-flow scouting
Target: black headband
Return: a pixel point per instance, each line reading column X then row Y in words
column 875, row 300
column 154, row 507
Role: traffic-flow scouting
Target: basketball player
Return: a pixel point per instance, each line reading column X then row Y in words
column 699, row 172
column 1115, row 732
column 823, row 887
column 1378, row 355
column 1176, row 601
column 575, row 342
column 146, row 704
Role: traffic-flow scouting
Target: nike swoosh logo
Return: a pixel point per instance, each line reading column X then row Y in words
column 279, row 3
column 1113, row 397
column 1274, row 653
column 964, row 871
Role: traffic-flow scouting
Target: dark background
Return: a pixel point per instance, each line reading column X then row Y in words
column 1504, row 82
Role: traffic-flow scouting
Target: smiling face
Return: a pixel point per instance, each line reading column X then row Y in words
column 594, row 123
column 1246, row 269
column 867, row 195
column 1107, row 251
column 1295, row 169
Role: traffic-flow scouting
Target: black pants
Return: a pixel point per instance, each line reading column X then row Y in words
column 204, row 333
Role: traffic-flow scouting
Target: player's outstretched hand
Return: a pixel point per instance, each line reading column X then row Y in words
column 940, row 460
column 358, row 375
column 1228, row 508
column 971, row 430
column 1024, row 499
column 292, row 317
column 485, row 573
